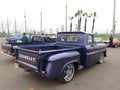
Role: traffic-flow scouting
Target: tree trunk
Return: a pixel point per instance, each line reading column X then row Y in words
column 70, row 26
column 85, row 24
column 80, row 23
column 93, row 24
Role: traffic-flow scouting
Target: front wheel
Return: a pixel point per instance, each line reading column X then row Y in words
column 101, row 58
column 68, row 73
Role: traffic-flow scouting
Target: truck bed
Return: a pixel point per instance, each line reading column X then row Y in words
column 10, row 48
column 47, row 48
column 29, row 58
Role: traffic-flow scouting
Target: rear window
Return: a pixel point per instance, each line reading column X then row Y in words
column 36, row 38
column 69, row 38
column 49, row 40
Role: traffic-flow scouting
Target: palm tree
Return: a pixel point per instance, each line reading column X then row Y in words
column 78, row 14
column 86, row 16
column 94, row 15
column 70, row 18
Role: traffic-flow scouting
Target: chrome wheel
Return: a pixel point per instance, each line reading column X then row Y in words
column 101, row 59
column 68, row 73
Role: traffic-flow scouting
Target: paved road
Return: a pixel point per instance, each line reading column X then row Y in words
column 98, row 77
column 2, row 40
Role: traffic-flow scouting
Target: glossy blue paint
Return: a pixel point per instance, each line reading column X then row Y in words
column 52, row 59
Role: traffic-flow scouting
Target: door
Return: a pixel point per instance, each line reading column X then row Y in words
column 93, row 51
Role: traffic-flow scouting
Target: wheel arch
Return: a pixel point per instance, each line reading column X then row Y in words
column 74, row 62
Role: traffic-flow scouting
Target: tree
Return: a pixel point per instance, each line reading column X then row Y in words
column 86, row 15
column 94, row 15
column 70, row 18
column 78, row 14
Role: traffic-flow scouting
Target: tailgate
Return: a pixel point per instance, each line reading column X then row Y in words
column 27, row 59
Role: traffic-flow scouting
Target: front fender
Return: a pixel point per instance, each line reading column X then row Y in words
column 57, row 62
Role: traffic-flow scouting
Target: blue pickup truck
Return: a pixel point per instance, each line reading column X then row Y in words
column 72, row 51
column 40, row 40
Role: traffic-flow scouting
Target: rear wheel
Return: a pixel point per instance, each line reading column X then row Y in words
column 101, row 58
column 68, row 73
column 115, row 46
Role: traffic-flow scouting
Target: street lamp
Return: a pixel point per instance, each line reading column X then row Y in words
column 114, row 22
column 8, row 27
column 66, row 16
column 41, row 21
column 25, row 20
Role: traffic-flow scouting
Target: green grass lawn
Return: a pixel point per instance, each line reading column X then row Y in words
column 2, row 37
column 105, row 37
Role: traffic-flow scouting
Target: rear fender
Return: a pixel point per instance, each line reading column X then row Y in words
column 57, row 63
column 64, row 56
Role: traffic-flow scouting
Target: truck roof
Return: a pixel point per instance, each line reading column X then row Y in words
column 73, row 33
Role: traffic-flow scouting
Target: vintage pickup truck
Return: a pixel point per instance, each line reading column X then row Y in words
column 10, row 48
column 72, row 51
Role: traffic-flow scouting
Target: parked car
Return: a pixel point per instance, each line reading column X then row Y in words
column 14, row 38
column 116, row 42
column 99, row 40
column 72, row 51
column 10, row 48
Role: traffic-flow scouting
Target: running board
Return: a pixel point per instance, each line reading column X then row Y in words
column 80, row 67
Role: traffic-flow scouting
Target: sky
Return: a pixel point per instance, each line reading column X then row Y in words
column 53, row 14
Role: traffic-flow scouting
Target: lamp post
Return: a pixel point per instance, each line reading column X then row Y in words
column 15, row 26
column 25, row 20
column 66, row 16
column 41, row 21
column 2, row 27
column 8, row 27
column 114, row 21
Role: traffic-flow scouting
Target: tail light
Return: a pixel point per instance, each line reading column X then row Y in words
column 42, row 72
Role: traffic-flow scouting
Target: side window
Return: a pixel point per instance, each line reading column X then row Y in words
column 49, row 40
column 36, row 38
column 89, row 39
